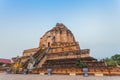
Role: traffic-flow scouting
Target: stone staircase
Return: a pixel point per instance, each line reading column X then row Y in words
column 37, row 58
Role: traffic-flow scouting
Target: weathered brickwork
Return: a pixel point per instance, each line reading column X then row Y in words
column 58, row 34
column 63, row 54
column 59, row 39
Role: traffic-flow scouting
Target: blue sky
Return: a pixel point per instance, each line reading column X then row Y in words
column 94, row 23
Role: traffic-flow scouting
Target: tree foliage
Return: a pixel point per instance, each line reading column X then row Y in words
column 1, row 63
column 110, row 62
column 81, row 64
column 113, row 61
column 116, row 58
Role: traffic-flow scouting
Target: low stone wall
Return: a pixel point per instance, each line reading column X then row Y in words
column 77, row 71
column 91, row 71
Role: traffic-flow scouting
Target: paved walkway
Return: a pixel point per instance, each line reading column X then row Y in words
column 4, row 76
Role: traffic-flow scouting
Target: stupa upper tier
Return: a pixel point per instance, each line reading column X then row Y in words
column 59, row 33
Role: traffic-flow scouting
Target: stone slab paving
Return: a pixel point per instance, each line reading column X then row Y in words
column 4, row 76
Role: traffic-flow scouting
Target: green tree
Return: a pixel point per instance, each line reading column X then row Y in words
column 116, row 58
column 81, row 64
column 110, row 62
column 1, row 63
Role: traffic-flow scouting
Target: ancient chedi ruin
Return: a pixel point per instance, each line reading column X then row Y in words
column 59, row 51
